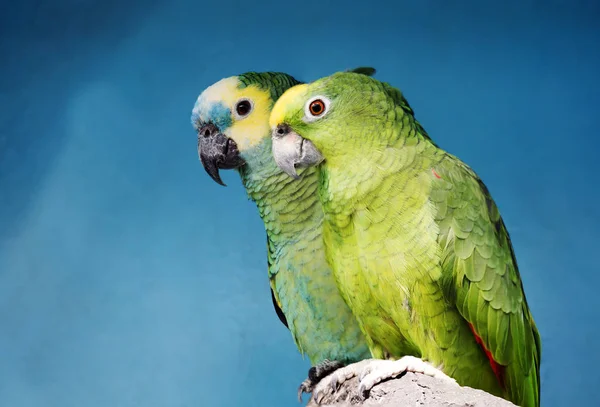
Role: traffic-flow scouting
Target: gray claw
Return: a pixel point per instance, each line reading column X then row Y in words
column 315, row 375
column 335, row 385
column 303, row 388
column 318, row 397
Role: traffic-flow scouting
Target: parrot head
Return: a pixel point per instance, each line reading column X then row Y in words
column 231, row 117
column 329, row 119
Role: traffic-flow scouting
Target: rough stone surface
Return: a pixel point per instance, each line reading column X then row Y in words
column 411, row 390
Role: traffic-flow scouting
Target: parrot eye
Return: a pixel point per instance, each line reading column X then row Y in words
column 316, row 108
column 243, row 108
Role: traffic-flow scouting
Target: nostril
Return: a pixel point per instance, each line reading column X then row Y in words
column 282, row 130
column 206, row 132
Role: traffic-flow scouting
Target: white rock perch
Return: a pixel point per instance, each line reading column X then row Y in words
column 413, row 390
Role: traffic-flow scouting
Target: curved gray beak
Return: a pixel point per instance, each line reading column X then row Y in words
column 291, row 151
column 217, row 151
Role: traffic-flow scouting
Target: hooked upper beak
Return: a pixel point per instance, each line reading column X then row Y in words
column 217, row 151
column 290, row 150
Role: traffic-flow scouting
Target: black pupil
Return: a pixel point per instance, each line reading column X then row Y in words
column 317, row 108
column 243, row 108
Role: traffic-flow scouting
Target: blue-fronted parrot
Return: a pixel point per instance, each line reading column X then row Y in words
column 231, row 118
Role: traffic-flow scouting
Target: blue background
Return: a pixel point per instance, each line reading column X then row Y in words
column 129, row 278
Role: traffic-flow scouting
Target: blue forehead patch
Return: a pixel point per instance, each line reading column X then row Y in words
column 217, row 113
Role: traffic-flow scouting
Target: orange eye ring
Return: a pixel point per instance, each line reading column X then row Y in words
column 316, row 107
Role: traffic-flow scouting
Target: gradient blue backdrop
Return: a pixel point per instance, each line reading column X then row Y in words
column 129, row 278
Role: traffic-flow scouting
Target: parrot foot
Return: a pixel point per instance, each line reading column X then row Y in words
column 316, row 374
column 379, row 370
column 331, row 384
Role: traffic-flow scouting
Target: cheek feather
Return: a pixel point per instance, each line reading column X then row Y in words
column 251, row 130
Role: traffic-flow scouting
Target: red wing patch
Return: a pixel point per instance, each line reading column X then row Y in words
column 438, row 176
column 497, row 368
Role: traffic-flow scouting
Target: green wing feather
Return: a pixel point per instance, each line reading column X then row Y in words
column 483, row 277
column 276, row 304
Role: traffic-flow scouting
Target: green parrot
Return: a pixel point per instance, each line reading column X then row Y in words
column 415, row 241
column 231, row 118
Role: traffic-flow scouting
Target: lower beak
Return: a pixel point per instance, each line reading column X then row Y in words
column 291, row 151
column 217, row 151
